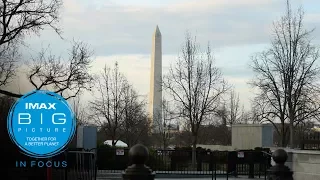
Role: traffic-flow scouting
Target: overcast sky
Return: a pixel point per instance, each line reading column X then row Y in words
column 121, row 30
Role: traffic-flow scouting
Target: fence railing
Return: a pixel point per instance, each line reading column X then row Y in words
column 180, row 162
column 81, row 166
column 310, row 141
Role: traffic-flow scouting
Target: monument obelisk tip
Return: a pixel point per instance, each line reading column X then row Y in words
column 157, row 31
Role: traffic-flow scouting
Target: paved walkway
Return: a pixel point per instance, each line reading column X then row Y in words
column 204, row 178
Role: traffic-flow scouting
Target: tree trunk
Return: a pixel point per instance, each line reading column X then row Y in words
column 291, row 134
column 283, row 137
column 194, row 151
column 283, row 140
column 164, row 144
column 224, row 121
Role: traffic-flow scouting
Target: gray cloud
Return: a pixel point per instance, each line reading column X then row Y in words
column 235, row 28
column 119, row 29
column 240, row 72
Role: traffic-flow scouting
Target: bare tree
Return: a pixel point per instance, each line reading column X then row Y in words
column 8, row 57
column 136, row 124
column 67, row 78
column 222, row 114
column 22, row 17
column 286, row 75
column 117, row 108
column 164, row 125
column 234, row 108
column 17, row 19
column 196, row 86
column 244, row 117
column 79, row 111
column 230, row 112
column 183, row 138
column 254, row 114
column 217, row 134
column 136, row 130
column 107, row 108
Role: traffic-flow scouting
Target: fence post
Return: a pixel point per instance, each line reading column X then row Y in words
column 280, row 171
column 199, row 161
column 173, row 163
column 138, row 154
column 251, row 164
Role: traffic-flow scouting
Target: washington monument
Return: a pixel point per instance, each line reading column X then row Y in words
column 155, row 98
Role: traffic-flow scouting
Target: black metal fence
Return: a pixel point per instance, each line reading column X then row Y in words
column 232, row 163
column 81, row 166
column 310, row 141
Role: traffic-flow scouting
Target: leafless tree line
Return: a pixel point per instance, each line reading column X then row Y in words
column 232, row 112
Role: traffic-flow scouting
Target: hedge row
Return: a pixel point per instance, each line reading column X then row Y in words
column 107, row 157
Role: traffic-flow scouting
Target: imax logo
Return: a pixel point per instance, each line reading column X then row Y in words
column 40, row 106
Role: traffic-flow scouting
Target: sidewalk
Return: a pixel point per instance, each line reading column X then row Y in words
column 220, row 178
column 182, row 177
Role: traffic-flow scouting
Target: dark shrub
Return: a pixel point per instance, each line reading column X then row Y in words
column 204, row 155
column 220, row 157
column 181, row 155
column 108, row 160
